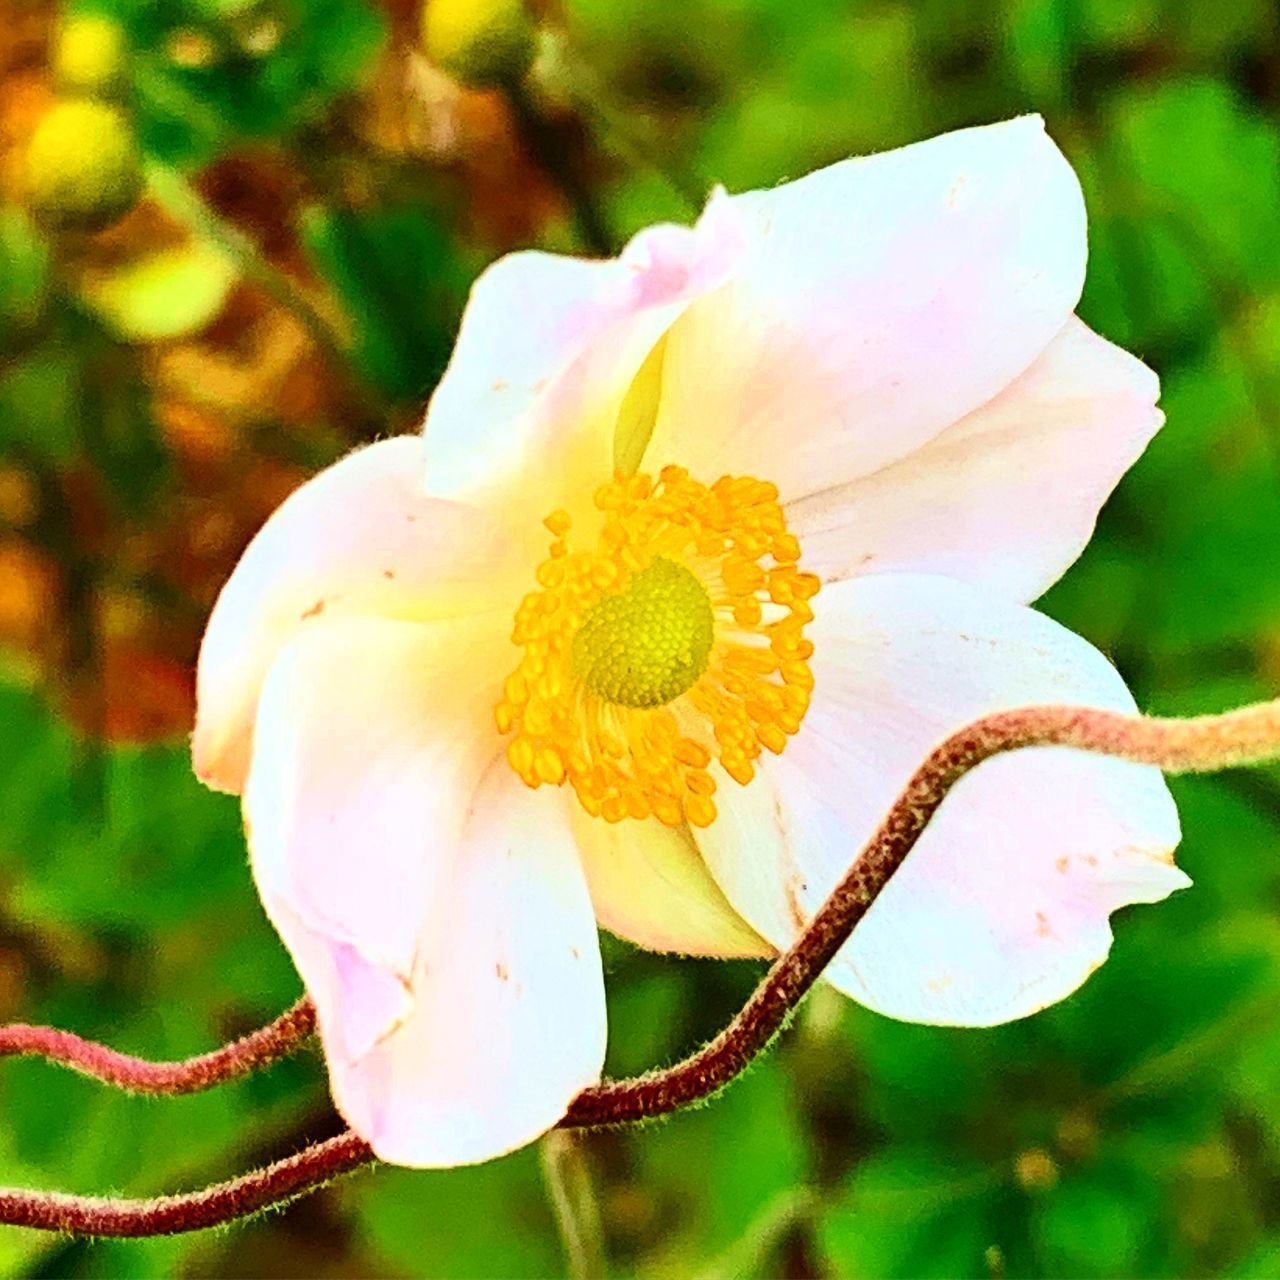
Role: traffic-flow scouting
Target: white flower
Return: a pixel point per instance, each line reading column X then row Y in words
column 884, row 354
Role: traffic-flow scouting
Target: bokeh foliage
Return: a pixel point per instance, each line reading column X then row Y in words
column 159, row 394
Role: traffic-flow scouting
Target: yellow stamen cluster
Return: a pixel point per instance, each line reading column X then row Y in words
column 677, row 640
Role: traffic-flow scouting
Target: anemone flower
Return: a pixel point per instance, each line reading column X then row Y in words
column 700, row 551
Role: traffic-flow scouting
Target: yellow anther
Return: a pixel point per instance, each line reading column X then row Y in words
column 694, row 754
column 674, row 643
column 700, row 782
column 796, row 673
column 520, row 753
column 668, row 811
column 742, row 576
column 610, row 496
column 550, row 573
column 550, row 766
column 700, row 811
column 786, row 548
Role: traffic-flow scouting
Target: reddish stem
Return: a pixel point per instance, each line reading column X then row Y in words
column 1249, row 735
column 169, row 1215
column 137, row 1075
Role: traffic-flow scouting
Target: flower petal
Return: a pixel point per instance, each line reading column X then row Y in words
column 360, row 538
column 548, row 348
column 371, row 740
column 508, row 1023
column 880, row 300
column 434, row 906
column 1002, row 907
column 650, row 885
column 1007, row 498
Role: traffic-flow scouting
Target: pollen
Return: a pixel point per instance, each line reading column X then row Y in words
column 666, row 653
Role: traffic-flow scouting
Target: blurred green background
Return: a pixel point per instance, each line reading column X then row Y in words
column 319, row 199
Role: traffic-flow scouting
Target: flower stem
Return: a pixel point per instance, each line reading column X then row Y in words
column 171, row 1215
column 1250, row 735
column 567, row 1173
column 138, row 1075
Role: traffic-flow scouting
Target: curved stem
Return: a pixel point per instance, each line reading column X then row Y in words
column 1250, row 735
column 1200, row 744
column 171, row 1215
column 138, row 1075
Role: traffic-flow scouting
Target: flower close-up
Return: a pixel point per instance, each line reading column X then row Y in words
column 699, row 553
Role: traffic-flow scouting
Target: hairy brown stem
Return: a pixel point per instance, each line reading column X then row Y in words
column 138, row 1075
column 1248, row 736
column 170, row 1215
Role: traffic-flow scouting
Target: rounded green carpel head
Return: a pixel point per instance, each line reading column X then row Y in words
column 481, row 43
column 91, row 58
column 83, row 166
column 649, row 643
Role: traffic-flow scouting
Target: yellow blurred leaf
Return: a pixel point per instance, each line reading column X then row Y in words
column 169, row 294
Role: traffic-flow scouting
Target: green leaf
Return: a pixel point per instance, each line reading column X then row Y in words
column 911, row 1212
column 402, row 284
column 489, row 1222
column 24, row 274
column 1261, row 1264
column 143, row 896
column 1159, row 1011
column 645, row 1019
column 1041, row 35
column 904, row 1064
column 78, row 396
column 39, row 404
column 1209, row 166
column 704, row 1177
column 1101, row 1221
column 208, row 76
column 118, row 431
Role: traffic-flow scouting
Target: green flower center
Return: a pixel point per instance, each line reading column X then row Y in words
column 649, row 643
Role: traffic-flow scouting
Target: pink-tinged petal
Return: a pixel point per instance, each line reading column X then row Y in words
column 371, row 740
column 650, row 885
column 548, row 348
column 1007, row 498
column 508, row 1023
column 434, row 906
column 1002, row 907
column 358, row 539
column 879, row 301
